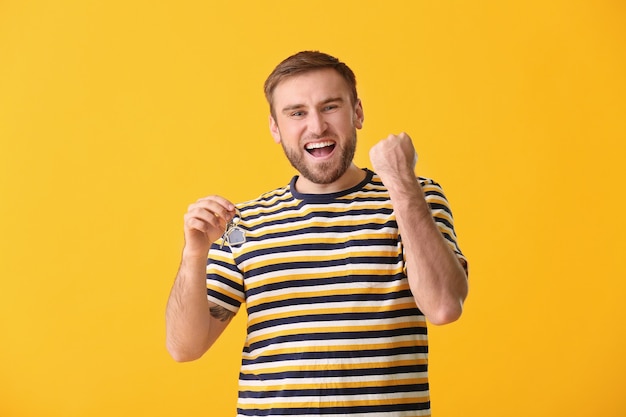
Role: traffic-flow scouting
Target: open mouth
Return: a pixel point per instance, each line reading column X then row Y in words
column 320, row 149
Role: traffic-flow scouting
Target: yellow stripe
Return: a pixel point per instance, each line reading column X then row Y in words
column 310, row 258
column 299, row 330
column 325, row 366
column 385, row 382
column 315, row 311
column 320, row 402
column 288, row 295
column 295, row 216
column 347, row 347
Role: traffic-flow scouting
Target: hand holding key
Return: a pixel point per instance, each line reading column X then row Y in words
column 205, row 222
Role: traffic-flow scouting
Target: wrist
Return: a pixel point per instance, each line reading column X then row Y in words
column 195, row 255
column 407, row 196
column 403, row 188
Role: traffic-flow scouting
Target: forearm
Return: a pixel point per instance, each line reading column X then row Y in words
column 436, row 277
column 187, row 313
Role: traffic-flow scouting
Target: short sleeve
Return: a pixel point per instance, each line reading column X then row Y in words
column 224, row 280
column 442, row 214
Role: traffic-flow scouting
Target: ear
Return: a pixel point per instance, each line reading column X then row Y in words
column 358, row 115
column 274, row 130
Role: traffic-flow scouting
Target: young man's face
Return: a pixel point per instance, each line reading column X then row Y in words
column 316, row 124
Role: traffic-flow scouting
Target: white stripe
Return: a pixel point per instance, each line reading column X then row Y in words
column 286, row 209
column 329, row 381
column 317, row 237
column 312, row 308
column 285, row 256
column 409, row 413
column 316, row 270
column 357, row 398
column 309, row 345
column 293, row 222
column 228, row 289
column 328, row 289
column 326, row 363
column 286, row 329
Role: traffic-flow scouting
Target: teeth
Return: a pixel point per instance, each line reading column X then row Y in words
column 319, row 145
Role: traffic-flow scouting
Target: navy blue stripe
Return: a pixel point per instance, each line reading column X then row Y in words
column 345, row 298
column 331, row 373
column 290, row 212
column 305, row 247
column 316, row 265
column 406, row 331
column 222, row 297
column 218, row 262
column 341, row 354
column 436, row 192
column 445, row 222
column 331, row 228
column 353, row 278
column 375, row 410
column 334, row 317
column 449, row 238
column 438, row 206
column 324, row 392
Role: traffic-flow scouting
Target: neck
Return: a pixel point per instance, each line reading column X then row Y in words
column 349, row 179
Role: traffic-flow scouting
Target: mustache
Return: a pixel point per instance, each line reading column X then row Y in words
column 312, row 136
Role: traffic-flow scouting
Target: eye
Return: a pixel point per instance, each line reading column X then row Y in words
column 296, row 114
column 330, row 107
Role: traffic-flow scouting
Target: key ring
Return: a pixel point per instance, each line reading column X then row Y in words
column 233, row 235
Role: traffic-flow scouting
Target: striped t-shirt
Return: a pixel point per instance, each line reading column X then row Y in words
column 333, row 329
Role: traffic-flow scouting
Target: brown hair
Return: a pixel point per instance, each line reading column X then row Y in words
column 306, row 61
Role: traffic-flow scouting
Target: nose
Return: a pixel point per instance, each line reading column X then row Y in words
column 317, row 124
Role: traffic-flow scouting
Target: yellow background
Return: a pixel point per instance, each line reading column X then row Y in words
column 115, row 115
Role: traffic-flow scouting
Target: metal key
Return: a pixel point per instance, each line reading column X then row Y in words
column 233, row 235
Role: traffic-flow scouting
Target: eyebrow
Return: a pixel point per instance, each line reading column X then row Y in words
column 293, row 107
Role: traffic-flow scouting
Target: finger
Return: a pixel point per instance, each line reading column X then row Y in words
column 208, row 218
column 227, row 205
column 216, row 205
column 199, row 225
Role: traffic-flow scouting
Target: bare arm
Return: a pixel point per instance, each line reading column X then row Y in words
column 193, row 324
column 436, row 276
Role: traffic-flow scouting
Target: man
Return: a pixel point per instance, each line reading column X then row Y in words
column 339, row 270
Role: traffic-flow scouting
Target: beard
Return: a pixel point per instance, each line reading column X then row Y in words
column 323, row 172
